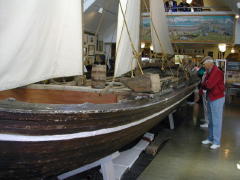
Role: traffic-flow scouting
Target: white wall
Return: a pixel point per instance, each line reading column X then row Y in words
column 109, row 33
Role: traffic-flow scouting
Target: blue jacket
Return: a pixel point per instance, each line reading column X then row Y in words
column 173, row 8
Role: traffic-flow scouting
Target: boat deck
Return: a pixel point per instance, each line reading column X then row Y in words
column 58, row 94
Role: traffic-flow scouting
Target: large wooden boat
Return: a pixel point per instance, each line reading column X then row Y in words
column 47, row 132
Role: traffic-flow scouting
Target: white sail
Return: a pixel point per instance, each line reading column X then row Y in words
column 124, row 58
column 159, row 28
column 39, row 39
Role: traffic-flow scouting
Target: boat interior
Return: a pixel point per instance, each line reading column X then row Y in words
column 59, row 96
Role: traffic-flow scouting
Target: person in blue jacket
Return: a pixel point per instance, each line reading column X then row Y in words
column 171, row 6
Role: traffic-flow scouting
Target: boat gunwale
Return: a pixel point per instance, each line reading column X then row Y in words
column 85, row 134
column 35, row 108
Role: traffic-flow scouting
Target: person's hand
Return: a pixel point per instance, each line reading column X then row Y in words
column 203, row 78
column 196, row 99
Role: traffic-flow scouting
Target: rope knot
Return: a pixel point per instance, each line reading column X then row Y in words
column 136, row 54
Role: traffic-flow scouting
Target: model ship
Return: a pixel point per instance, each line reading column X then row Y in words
column 47, row 130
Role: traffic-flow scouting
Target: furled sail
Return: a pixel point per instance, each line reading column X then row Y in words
column 159, row 28
column 39, row 40
column 125, row 60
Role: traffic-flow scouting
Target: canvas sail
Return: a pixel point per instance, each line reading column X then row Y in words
column 159, row 28
column 39, row 40
column 124, row 52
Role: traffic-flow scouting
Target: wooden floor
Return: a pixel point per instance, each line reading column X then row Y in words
column 183, row 157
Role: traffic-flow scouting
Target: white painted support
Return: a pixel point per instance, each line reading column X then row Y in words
column 108, row 170
column 127, row 158
column 106, row 165
column 171, row 120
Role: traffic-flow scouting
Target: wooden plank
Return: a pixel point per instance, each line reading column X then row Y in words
column 160, row 139
column 57, row 96
column 143, row 83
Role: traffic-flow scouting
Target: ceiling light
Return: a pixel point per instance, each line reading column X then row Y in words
column 151, row 47
column 189, row 1
column 100, row 10
column 238, row 5
column 237, row 16
column 222, row 47
column 238, row 166
column 233, row 50
column 143, row 45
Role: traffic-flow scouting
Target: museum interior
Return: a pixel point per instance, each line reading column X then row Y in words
column 119, row 89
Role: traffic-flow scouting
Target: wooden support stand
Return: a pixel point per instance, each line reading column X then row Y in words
column 106, row 168
column 171, row 120
column 161, row 138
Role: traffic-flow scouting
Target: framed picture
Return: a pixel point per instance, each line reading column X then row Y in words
column 91, row 59
column 85, row 39
column 195, row 29
column 91, row 39
column 91, row 50
column 100, row 46
column 210, row 53
column 84, row 51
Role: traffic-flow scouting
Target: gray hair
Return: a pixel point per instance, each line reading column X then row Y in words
column 207, row 59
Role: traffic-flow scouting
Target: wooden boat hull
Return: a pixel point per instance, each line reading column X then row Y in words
column 42, row 141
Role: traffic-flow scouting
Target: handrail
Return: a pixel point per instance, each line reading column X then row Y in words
column 202, row 13
column 197, row 8
column 202, row 8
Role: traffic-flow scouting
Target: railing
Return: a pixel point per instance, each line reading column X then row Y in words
column 196, row 9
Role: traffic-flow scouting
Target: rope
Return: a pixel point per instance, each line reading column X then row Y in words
column 158, row 38
column 169, row 66
column 117, row 48
column 154, row 28
column 135, row 53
